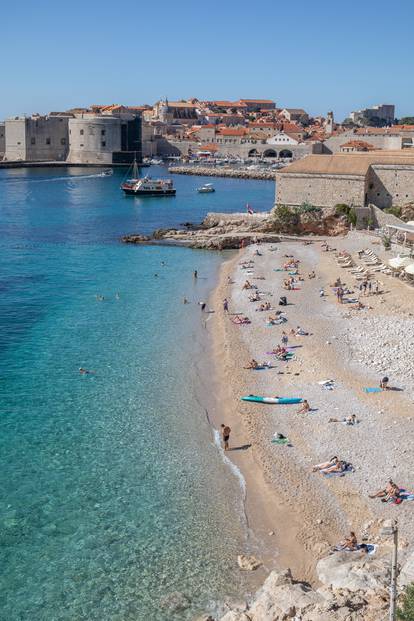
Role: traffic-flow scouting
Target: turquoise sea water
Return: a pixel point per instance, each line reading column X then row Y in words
column 113, row 494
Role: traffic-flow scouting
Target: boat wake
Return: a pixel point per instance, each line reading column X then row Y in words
column 67, row 178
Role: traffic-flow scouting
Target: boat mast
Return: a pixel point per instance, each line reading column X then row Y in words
column 135, row 167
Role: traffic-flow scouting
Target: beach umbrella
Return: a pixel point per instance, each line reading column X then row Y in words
column 399, row 262
column 410, row 269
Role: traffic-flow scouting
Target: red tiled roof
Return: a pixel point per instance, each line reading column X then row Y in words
column 247, row 101
column 229, row 131
column 209, row 147
column 359, row 144
column 292, row 128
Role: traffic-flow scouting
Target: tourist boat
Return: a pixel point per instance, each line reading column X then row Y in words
column 206, row 188
column 147, row 186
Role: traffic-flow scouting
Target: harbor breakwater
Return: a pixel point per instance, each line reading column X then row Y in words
column 223, row 171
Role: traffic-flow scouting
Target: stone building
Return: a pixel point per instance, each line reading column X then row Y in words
column 105, row 139
column 382, row 112
column 37, row 138
column 380, row 178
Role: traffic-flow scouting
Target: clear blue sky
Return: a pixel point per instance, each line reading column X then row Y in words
column 315, row 54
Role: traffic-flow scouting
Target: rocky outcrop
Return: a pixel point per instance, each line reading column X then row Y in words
column 356, row 571
column 354, row 587
column 227, row 231
column 407, row 212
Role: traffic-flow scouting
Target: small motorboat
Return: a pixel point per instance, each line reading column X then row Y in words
column 107, row 173
column 206, row 188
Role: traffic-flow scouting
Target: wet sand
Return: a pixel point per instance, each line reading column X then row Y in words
column 306, row 511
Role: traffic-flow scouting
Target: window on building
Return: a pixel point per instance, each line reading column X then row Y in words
column 33, row 140
column 63, row 141
column 81, row 145
column 47, row 140
column 103, row 143
column 81, row 132
column 102, row 132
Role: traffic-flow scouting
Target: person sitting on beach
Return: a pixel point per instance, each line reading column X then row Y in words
column 311, row 275
column 391, row 491
column 301, row 332
column 253, row 364
column 305, row 407
column 247, row 285
column 349, row 544
column 254, row 297
column 267, row 306
column 384, row 383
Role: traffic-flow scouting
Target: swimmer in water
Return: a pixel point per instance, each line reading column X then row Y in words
column 185, row 301
column 155, row 275
column 83, row 371
column 117, row 296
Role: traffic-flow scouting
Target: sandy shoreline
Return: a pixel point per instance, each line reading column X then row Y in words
column 307, row 512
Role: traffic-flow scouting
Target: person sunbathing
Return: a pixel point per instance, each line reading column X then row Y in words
column 391, row 491
column 301, row 332
column 311, row 275
column 358, row 306
column 241, row 319
column 305, row 407
column 247, row 285
column 333, row 465
column 254, row 297
column 384, row 383
column 348, row 420
column 349, row 544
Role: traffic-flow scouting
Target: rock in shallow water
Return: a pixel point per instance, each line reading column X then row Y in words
column 248, row 563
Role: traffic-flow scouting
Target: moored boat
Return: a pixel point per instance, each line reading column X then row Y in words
column 146, row 186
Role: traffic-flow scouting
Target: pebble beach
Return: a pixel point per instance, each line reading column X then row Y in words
column 297, row 514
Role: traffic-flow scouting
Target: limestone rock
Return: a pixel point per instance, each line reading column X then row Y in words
column 354, row 571
column 248, row 563
column 234, row 615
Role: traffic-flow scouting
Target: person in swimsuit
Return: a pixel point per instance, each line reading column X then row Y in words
column 225, row 432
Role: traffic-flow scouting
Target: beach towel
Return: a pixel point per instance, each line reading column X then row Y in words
column 280, row 441
column 372, row 389
column 263, row 367
column 278, row 269
column 370, row 548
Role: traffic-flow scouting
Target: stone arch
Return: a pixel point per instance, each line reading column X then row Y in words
column 285, row 153
column 270, row 153
column 253, row 153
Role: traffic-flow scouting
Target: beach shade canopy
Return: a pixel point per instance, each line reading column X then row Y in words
column 399, row 262
column 410, row 269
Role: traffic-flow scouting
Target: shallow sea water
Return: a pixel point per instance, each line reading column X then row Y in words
column 113, row 493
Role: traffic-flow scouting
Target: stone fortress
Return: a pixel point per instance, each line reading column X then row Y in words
column 102, row 135
column 380, row 178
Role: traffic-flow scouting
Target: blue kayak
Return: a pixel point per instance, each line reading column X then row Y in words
column 274, row 400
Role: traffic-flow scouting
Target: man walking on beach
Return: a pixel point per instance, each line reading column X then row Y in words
column 226, row 305
column 225, row 432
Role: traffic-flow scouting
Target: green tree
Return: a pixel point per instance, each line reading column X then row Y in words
column 375, row 121
column 406, row 120
column 406, row 611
